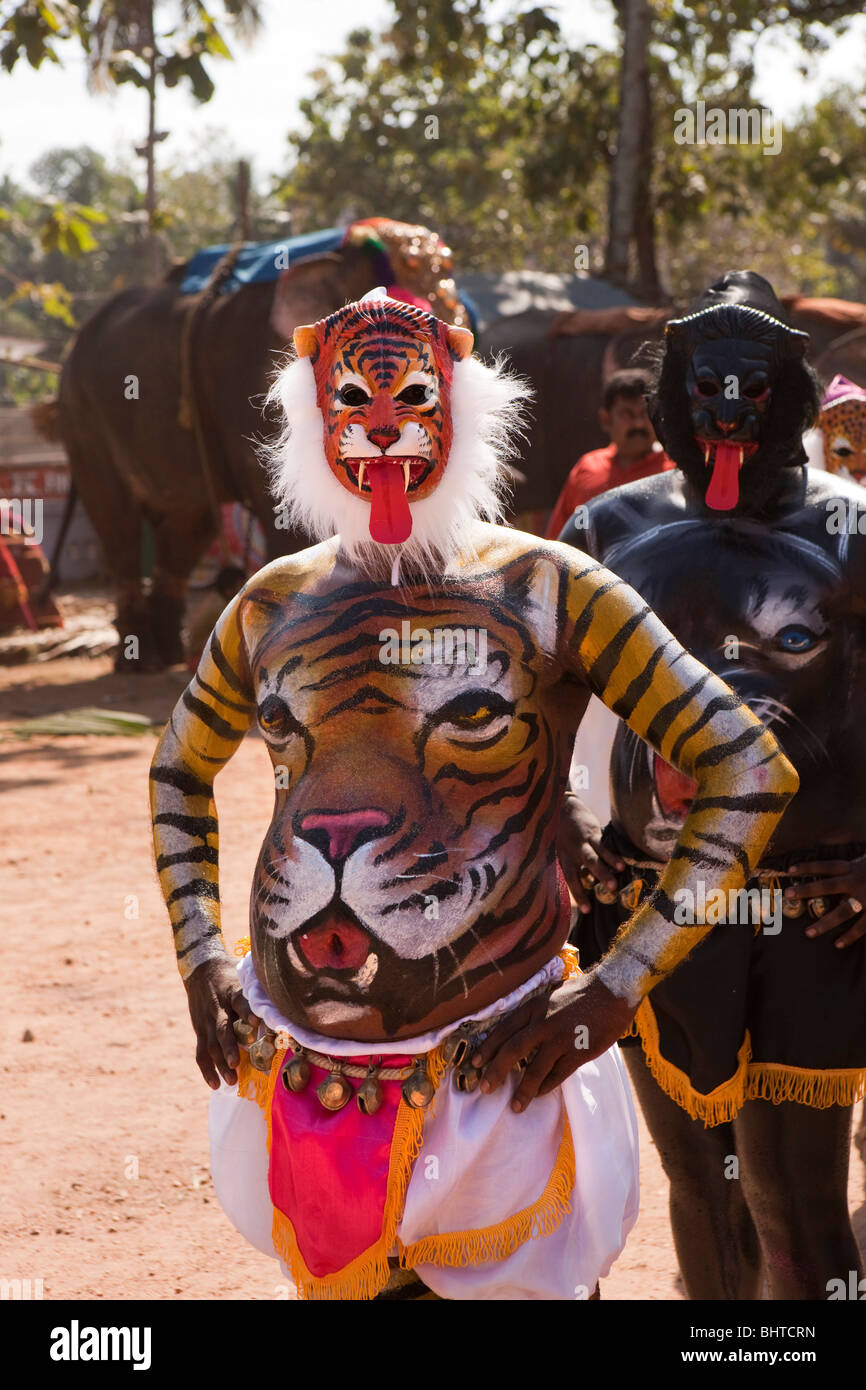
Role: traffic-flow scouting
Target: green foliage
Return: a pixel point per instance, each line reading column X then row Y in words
column 32, row 30
column 519, row 172
column 495, row 133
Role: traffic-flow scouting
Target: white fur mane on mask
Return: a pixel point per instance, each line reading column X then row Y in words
column 487, row 412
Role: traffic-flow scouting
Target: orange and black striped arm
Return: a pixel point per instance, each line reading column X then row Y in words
column 208, row 723
column 695, row 722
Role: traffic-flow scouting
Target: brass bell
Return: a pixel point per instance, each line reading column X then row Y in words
column 263, row 1052
column 817, row 907
column 296, row 1073
column 418, row 1089
column 467, row 1078
column 369, row 1095
column 335, row 1091
column 604, row 894
column 244, row 1032
column 455, row 1047
column 630, row 895
column 793, row 907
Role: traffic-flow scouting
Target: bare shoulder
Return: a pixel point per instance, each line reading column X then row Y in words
column 498, row 546
column 292, row 574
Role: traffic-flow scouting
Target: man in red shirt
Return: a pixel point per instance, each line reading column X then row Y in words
column 634, row 452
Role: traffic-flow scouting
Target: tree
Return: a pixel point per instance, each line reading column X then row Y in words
column 143, row 42
column 494, row 132
column 126, row 45
column 631, row 153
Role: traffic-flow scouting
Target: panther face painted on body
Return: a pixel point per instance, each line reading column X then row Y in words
column 758, row 607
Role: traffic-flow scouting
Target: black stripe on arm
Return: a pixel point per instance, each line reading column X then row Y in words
column 242, row 708
column 184, row 782
column 718, row 703
column 211, row 931
column 198, row 826
column 220, row 661
column 209, row 716
column 699, row 857
column 605, row 663
column 583, row 622
column 711, row 757
column 665, row 716
column 735, row 851
column 626, row 705
column 197, row 854
column 196, row 888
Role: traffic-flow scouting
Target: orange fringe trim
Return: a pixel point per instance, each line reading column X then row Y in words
column 776, row 1082
column 713, row 1107
column 772, row 1081
column 497, row 1242
column 568, row 956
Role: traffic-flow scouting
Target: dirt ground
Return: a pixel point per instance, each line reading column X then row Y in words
column 105, row 1190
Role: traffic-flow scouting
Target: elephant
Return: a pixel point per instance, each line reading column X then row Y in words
column 567, row 355
column 161, row 412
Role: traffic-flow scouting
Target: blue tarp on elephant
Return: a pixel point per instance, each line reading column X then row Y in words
column 258, row 261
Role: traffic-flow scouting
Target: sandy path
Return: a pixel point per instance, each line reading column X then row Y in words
column 104, row 1187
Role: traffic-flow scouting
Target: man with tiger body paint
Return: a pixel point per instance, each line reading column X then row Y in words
column 408, row 916
column 753, row 1053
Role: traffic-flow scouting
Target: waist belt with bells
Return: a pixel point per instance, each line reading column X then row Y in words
column 336, row 1090
column 632, row 893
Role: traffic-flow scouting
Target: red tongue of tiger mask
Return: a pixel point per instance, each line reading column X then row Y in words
column 726, row 460
column 383, row 374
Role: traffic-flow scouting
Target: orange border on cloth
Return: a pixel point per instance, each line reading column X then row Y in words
column 773, row 1081
column 369, row 1272
column 497, row 1242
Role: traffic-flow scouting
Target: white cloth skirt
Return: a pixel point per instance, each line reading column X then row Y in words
column 480, row 1163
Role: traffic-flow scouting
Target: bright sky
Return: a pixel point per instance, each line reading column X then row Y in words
column 256, row 97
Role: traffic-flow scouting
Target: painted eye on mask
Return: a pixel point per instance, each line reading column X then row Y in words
column 842, row 451
column 352, row 396
column 757, row 391
column 706, row 387
column 796, row 639
column 413, row 395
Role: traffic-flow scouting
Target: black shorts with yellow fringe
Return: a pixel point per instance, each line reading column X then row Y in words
column 753, row 1013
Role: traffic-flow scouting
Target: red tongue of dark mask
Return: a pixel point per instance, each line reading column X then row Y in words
column 674, row 789
column 726, row 459
column 390, row 517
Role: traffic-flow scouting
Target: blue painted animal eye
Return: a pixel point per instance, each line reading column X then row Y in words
column 796, row 639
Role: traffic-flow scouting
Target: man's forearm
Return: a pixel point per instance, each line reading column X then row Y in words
column 186, row 843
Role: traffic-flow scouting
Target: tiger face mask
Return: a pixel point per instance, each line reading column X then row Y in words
column 383, row 373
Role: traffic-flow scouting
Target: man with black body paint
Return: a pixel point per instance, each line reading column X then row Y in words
column 755, row 1048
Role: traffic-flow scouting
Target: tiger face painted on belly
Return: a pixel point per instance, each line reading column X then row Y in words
column 415, row 794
